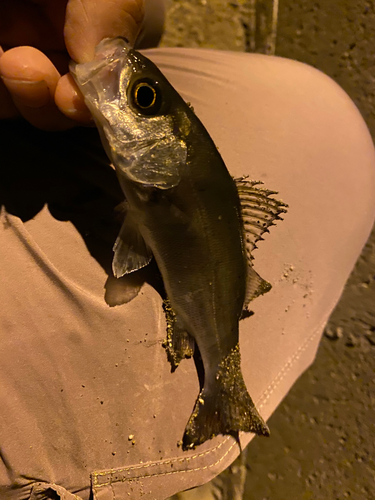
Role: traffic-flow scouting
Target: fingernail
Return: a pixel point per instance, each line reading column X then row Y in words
column 27, row 93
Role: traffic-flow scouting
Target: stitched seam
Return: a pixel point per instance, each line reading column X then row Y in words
column 113, row 491
column 166, row 473
column 166, row 462
column 287, row 367
column 262, row 400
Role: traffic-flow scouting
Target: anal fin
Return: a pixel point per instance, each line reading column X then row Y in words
column 178, row 344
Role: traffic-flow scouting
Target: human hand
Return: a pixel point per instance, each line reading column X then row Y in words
column 37, row 40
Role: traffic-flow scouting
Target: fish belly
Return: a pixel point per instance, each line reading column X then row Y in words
column 198, row 247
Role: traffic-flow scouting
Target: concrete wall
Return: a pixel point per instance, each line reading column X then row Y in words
column 322, row 443
column 244, row 25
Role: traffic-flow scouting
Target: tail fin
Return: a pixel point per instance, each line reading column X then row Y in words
column 223, row 406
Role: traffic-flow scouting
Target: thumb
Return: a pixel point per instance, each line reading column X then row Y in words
column 87, row 22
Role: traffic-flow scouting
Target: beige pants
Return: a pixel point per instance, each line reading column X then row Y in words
column 88, row 402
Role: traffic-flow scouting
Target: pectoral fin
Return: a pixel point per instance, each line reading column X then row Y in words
column 131, row 251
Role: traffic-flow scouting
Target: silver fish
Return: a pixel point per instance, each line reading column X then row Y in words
column 185, row 209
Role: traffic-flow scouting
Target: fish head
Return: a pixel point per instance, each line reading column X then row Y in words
column 142, row 120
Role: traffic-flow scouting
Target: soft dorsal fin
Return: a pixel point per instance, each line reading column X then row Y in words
column 131, row 251
column 259, row 211
column 255, row 285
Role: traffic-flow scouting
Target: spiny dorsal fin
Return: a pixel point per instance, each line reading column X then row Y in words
column 259, row 211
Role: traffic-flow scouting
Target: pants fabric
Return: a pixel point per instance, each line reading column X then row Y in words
column 88, row 402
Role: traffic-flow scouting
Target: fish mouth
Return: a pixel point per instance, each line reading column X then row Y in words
column 98, row 80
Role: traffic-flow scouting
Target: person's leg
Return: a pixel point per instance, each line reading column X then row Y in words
column 89, row 391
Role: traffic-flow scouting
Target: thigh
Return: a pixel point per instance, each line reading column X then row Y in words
column 96, row 399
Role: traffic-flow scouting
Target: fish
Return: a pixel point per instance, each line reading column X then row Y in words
column 184, row 209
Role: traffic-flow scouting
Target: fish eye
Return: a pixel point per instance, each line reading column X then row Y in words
column 145, row 97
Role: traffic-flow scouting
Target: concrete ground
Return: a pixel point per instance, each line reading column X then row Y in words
column 323, row 441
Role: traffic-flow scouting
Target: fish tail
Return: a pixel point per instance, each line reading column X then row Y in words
column 223, row 407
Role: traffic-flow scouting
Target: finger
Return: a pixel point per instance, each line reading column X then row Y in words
column 89, row 21
column 31, row 80
column 70, row 100
column 29, row 75
column 7, row 106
